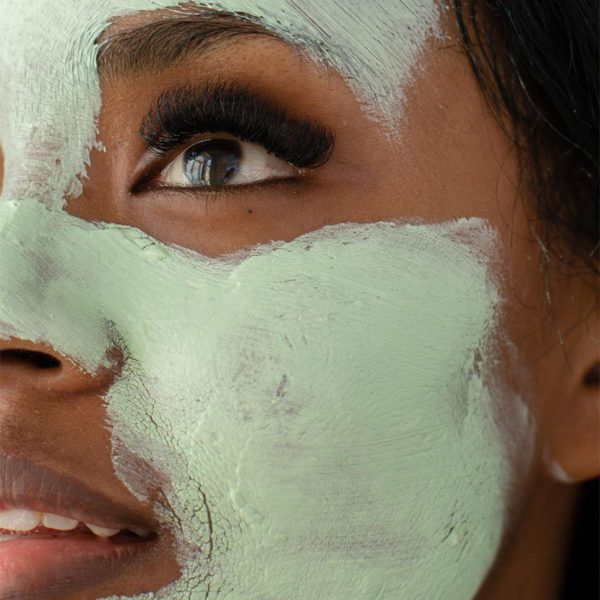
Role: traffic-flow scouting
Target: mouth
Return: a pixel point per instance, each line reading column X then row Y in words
column 58, row 535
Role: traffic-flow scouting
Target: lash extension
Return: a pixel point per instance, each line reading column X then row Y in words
column 181, row 113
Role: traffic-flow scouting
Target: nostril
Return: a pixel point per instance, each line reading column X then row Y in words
column 592, row 376
column 32, row 358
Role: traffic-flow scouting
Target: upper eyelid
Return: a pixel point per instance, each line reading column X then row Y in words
column 180, row 113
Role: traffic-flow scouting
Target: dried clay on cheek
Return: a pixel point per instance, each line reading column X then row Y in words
column 326, row 404
column 315, row 401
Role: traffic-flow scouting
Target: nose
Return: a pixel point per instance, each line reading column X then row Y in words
column 38, row 367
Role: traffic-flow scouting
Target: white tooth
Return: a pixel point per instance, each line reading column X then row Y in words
column 57, row 522
column 102, row 531
column 17, row 519
column 7, row 538
column 141, row 531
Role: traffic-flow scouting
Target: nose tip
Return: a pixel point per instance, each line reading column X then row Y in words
column 37, row 365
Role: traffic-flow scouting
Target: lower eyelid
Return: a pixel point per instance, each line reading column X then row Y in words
column 256, row 188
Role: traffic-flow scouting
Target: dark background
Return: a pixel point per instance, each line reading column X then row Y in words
column 583, row 571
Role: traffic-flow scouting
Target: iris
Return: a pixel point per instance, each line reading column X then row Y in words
column 212, row 162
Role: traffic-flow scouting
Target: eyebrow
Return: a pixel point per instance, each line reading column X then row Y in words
column 161, row 44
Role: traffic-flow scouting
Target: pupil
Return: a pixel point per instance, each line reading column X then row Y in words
column 212, row 162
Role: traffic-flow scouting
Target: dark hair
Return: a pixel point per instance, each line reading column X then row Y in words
column 537, row 63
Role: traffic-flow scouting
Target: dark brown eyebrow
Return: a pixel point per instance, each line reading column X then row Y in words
column 153, row 47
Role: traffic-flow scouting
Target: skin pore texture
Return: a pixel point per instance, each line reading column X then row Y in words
column 318, row 411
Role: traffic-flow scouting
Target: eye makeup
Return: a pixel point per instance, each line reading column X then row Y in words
column 181, row 113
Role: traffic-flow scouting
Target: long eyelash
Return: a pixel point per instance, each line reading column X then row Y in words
column 180, row 114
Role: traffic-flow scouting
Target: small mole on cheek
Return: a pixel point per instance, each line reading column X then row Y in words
column 250, row 211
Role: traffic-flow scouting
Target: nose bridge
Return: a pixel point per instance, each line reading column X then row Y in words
column 45, row 295
column 48, row 104
column 47, row 126
column 48, row 99
column 51, row 324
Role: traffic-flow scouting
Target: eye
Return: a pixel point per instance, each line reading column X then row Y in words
column 220, row 161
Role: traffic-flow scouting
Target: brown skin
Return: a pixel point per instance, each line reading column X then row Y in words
column 451, row 161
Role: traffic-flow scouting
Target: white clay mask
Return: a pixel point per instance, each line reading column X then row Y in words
column 324, row 410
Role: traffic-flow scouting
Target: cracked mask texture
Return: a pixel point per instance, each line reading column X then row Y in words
column 315, row 400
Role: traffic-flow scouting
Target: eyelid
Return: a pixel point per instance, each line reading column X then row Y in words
column 180, row 114
column 267, row 186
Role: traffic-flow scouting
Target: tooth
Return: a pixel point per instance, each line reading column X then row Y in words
column 102, row 531
column 17, row 519
column 57, row 522
column 140, row 531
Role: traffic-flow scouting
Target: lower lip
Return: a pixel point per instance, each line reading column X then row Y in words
column 43, row 567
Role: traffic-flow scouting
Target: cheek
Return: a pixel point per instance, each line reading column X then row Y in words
column 330, row 398
column 323, row 405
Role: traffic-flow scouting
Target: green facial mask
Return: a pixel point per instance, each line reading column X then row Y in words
column 324, row 410
column 325, row 403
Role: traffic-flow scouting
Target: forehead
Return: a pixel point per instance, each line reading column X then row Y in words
column 50, row 95
column 376, row 42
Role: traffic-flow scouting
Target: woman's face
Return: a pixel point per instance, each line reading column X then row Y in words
column 284, row 277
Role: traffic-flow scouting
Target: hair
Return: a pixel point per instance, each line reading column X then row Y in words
column 537, row 63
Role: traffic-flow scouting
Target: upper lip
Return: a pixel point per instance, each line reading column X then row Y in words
column 25, row 484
